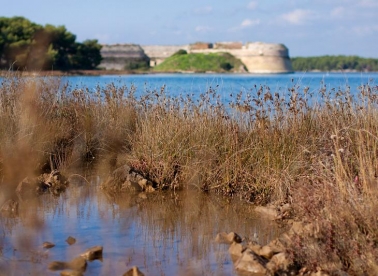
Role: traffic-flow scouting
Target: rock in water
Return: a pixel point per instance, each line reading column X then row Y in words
column 71, row 273
column 125, row 179
column 70, row 240
column 92, row 253
column 133, row 272
column 228, row 238
column 48, row 245
column 235, row 250
column 56, row 265
column 251, row 262
column 78, row 264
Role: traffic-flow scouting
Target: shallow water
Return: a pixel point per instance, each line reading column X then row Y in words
column 165, row 234
column 224, row 84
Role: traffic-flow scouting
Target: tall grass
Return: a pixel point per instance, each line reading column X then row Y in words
column 314, row 149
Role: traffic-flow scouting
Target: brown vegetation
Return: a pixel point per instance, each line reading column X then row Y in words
column 319, row 155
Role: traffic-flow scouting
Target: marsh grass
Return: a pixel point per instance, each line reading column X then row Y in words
column 316, row 149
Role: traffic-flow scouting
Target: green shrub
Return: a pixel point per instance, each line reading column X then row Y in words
column 215, row 62
column 180, row 52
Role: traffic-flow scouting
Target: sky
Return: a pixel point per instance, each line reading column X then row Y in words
column 306, row 27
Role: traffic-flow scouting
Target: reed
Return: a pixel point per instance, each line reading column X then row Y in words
column 316, row 149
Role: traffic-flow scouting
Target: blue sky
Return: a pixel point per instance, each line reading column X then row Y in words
column 306, row 27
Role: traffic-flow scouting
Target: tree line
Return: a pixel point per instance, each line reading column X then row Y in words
column 329, row 63
column 25, row 45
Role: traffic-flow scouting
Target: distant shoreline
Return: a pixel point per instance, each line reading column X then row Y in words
column 127, row 72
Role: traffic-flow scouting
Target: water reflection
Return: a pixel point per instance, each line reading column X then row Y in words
column 162, row 234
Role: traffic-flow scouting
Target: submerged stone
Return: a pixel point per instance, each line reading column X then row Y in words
column 57, row 265
column 78, row 264
column 70, row 240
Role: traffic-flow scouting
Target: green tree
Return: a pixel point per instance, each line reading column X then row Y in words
column 87, row 55
column 63, row 42
column 26, row 45
column 15, row 41
column 328, row 63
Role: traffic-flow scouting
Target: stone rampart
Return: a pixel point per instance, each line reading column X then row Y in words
column 118, row 56
column 158, row 53
column 228, row 45
column 258, row 57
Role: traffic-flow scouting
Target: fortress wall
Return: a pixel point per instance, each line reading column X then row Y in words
column 267, row 64
column 111, row 65
column 161, row 52
column 124, row 50
column 228, row 45
column 267, row 49
column 258, row 57
column 116, row 57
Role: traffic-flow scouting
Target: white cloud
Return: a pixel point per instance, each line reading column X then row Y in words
column 298, row 16
column 365, row 30
column 368, row 3
column 246, row 23
column 338, row 12
column 249, row 23
column 204, row 10
column 203, row 29
column 252, row 5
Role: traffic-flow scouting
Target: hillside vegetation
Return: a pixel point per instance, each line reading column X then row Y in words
column 330, row 63
column 215, row 62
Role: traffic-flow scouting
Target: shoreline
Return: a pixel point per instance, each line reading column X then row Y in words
column 128, row 72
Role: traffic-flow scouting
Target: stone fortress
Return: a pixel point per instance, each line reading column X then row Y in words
column 258, row 57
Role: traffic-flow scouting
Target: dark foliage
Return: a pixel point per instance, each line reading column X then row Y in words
column 329, row 63
column 25, row 45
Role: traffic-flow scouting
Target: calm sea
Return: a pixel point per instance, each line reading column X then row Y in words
column 224, row 84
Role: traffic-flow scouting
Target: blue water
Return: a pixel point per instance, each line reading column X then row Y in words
column 225, row 84
column 164, row 234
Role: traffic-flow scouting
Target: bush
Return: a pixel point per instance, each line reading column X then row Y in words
column 180, row 52
column 226, row 66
